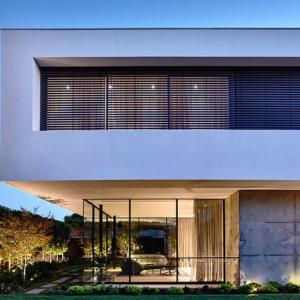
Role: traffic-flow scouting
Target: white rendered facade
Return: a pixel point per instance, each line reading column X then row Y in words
column 83, row 164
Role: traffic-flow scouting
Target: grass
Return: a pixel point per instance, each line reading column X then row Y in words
column 157, row 297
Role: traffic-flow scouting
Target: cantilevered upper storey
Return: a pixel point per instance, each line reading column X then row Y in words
column 144, row 104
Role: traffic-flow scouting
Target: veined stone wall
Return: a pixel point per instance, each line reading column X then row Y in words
column 270, row 236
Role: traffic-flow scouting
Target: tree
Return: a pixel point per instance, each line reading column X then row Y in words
column 60, row 237
column 55, row 250
column 74, row 220
column 123, row 240
column 22, row 234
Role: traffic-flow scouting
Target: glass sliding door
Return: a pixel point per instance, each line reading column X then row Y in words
column 153, row 238
column 90, row 239
column 201, row 241
column 115, row 236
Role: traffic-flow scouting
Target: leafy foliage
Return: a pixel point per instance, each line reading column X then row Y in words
column 269, row 289
column 248, row 288
column 174, row 290
column 21, row 234
column 80, row 290
column 226, row 288
column 133, row 290
column 291, row 288
column 276, row 284
column 150, row 291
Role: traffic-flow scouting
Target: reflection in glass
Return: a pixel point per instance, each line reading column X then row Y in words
column 155, row 240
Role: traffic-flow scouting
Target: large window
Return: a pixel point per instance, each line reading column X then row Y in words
column 73, row 102
column 170, row 98
column 97, row 99
column 158, row 240
column 137, row 102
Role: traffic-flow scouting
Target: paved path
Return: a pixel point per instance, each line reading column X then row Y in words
column 74, row 276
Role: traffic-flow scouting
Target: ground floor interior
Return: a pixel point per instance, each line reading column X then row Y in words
column 162, row 240
column 185, row 232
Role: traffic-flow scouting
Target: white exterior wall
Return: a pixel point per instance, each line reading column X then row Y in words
column 28, row 154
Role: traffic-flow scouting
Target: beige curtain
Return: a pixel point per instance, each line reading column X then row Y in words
column 209, row 237
column 200, row 242
column 186, row 247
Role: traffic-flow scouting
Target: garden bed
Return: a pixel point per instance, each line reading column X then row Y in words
column 157, row 297
column 252, row 288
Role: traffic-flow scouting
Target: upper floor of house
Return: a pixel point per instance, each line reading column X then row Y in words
column 150, row 104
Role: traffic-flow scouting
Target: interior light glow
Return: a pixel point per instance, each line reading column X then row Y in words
column 295, row 279
column 195, row 87
column 110, row 87
column 67, row 87
column 152, row 86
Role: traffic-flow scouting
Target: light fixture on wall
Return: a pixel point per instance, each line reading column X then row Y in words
column 67, row 87
column 152, row 86
column 110, row 86
column 195, row 87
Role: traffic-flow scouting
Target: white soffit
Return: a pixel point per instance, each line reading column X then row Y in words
column 69, row 194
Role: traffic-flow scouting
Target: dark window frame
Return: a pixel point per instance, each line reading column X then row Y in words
column 260, row 98
column 177, row 281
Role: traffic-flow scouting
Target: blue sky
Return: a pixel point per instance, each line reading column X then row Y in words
column 149, row 13
column 14, row 198
column 135, row 13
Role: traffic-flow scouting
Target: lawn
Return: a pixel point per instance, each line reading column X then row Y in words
column 202, row 297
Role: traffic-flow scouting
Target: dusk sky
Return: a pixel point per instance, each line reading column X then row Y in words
column 148, row 13
column 135, row 13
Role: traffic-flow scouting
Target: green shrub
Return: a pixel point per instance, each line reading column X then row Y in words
column 276, row 285
column 269, row 289
column 248, row 288
column 80, row 290
column 226, row 288
column 41, row 270
column 150, row 291
column 174, row 290
column 111, row 290
column 99, row 289
column 6, row 288
column 56, row 291
column 10, row 281
column 132, row 290
column 291, row 288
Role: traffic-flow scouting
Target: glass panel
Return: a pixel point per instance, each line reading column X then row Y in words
column 200, row 241
column 75, row 102
column 199, row 102
column 114, row 233
column 153, row 242
column 96, row 232
column 138, row 101
column 87, row 241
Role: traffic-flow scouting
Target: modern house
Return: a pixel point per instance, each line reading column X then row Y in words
column 180, row 147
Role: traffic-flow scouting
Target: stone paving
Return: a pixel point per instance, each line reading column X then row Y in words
column 35, row 291
column 73, row 276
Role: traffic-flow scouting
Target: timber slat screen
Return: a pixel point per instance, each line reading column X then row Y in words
column 169, row 98
column 137, row 101
column 268, row 99
column 73, row 101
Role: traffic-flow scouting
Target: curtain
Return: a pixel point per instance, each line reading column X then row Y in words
column 200, row 242
column 209, row 240
column 186, row 247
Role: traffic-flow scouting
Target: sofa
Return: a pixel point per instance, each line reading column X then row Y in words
column 141, row 262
